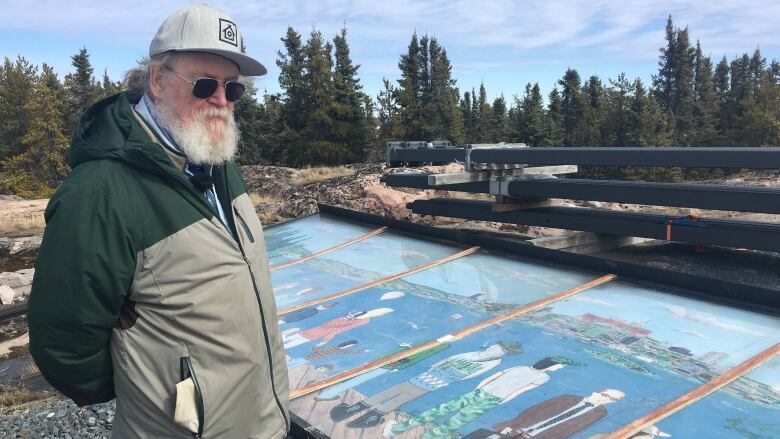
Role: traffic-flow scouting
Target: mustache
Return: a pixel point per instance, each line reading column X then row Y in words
column 222, row 113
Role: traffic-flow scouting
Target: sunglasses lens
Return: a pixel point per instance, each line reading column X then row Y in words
column 233, row 91
column 204, row 87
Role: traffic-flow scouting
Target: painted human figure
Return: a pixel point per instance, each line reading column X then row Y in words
column 319, row 353
column 556, row 418
column 331, row 328
column 333, row 392
column 493, row 391
column 441, row 374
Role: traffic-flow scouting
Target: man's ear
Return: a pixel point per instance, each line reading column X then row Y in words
column 155, row 80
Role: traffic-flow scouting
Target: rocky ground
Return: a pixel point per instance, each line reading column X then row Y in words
column 280, row 194
column 57, row 418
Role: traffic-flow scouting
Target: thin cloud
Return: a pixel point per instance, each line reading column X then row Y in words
column 710, row 320
column 593, row 300
column 694, row 334
column 529, row 39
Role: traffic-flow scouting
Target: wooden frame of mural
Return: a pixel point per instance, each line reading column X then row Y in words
column 392, row 336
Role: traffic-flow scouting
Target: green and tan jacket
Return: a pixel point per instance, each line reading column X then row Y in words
column 138, row 286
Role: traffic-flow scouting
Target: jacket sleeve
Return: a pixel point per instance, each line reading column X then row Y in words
column 83, row 273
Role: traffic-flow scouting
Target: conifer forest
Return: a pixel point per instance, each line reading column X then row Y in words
column 322, row 115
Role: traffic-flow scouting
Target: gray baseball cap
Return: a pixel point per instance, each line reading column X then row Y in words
column 203, row 28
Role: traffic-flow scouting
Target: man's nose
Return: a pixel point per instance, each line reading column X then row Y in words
column 218, row 98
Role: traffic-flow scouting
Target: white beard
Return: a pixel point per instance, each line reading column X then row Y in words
column 194, row 137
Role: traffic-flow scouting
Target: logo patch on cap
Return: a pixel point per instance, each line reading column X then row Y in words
column 228, row 32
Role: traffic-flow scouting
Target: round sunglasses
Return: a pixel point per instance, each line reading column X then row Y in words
column 203, row 88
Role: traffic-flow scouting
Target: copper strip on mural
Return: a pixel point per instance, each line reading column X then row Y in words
column 378, row 282
column 694, row 395
column 330, row 249
column 510, row 314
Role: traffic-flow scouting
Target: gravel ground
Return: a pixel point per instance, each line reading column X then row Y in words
column 59, row 419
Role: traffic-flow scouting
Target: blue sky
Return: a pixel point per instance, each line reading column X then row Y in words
column 503, row 43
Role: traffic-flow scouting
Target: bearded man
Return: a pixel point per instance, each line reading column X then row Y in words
column 152, row 282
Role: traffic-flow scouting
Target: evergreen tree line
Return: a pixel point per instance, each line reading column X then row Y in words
column 323, row 116
column 37, row 115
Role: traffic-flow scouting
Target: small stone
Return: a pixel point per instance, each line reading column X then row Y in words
column 14, row 280
column 7, row 294
column 51, row 414
column 92, row 420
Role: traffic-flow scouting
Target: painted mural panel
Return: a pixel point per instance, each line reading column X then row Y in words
column 495, row 281
column 357, row 264
column 305, row 236
column 747, row 408
column 578, row 368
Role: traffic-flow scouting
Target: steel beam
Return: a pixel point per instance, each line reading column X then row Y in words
column 398, row 156
column 701, row 196
column 735, row 234
column 710, row 157
column 704, row 157
column 421, row 181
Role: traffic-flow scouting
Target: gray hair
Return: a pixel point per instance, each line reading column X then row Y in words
column 137, row 79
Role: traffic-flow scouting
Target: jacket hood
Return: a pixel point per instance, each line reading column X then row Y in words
column 109, row 130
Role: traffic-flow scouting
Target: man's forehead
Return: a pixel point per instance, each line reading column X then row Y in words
column 202, row 64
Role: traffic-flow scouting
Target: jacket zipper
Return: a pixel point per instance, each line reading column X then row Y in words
column 203, row 201
column 262, row 319
column 245, row 226
column 188, row 372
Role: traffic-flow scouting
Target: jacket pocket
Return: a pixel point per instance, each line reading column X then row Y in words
column 189, row 412
column 245, row 226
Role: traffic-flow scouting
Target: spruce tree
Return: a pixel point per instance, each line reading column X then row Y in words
column 573, row 109
column 664, row 83
column 41, row 165
column 720, row 80
column 554, row 123
column 109, row 87
column 351, row 117
column 388, row 113
column 498, row 123
column 532, row 125
column 319, row 145
column 16, row 86
column 81, row 89
column 706, row 108
column 683, row 95
column 621, row 120
column 593, row 95
column 467, row 115
column 410, row 91
column 760, row 122
column 291, row 66
column 247, row 113
column 484, row 118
